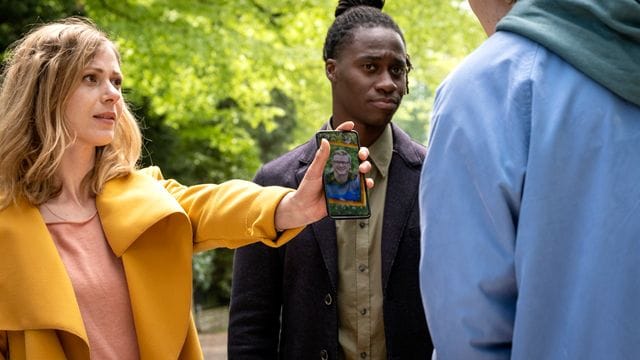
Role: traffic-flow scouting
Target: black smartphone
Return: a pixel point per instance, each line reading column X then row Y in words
column 345, row 188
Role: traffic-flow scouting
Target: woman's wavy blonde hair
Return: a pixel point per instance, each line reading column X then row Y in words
column 39, row 74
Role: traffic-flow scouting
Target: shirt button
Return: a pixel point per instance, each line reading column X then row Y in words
column 363, row 355
column 324, row 355
column 328, row 300
column 362, row 267
column 362, row 224
column 363, row 311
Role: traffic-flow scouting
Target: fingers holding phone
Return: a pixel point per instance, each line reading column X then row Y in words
column 344, row 183
column 308, row 203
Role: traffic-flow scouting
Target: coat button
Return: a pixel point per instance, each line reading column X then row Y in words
column 363, row 355
column 328, row 300
column 362, row 224
column 324, row 355
column 362, row 267
column 363, row 311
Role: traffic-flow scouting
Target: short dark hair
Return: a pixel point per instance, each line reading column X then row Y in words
column 354, row 14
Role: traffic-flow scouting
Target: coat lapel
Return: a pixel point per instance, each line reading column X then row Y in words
column 36, row 291
column 129, row 206
column 325, row 233
column 324, row 230
column 149, row 230
column 402, row 195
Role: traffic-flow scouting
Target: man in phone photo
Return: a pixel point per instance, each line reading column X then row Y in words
column 344, row 288
column 343, row 181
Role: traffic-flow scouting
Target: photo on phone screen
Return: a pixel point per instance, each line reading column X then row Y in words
column 344, row 187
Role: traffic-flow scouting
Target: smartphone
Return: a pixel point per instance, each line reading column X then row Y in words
column 345, row 188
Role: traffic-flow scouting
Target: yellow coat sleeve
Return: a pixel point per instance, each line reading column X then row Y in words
column 231, row 214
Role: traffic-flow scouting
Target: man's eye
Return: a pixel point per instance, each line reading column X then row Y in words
column 369, row 67
column 398, row 70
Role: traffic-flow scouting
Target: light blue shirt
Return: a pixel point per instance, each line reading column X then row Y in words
column 348, row 191
column 530, row 211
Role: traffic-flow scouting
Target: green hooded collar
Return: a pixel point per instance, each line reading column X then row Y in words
column 601, row 38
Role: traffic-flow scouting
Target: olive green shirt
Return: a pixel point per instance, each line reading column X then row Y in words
column 361, row 326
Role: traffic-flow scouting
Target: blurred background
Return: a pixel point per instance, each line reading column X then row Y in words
column 222, row 86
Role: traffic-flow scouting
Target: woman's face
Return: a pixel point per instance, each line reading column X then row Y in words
column 95, row 104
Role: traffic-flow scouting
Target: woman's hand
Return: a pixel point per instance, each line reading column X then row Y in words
column 307, row 204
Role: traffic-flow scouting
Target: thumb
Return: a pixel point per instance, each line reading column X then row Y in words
column 319, row 161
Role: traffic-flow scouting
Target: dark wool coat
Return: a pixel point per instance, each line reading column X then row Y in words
column 283, row 303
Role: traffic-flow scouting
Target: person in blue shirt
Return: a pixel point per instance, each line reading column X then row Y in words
column 343, row 182
column 530, row 191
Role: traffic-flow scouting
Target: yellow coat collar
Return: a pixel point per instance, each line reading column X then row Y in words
column 145, row 226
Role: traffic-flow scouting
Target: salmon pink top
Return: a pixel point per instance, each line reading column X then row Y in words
column 100, row 286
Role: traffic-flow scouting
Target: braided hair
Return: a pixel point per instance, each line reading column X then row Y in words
column 354, row 14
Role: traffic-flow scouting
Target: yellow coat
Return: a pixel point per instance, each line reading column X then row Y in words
column 154, row 225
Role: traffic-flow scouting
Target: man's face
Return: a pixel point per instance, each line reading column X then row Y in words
column 341, row 167
column 368, row 77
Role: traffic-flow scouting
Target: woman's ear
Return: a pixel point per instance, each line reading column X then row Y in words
column 330, row 69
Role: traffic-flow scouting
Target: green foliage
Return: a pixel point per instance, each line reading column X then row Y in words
column 222, row 86
column 439, row 33
column 211, row 69
column 19, row 16
column 212, row 277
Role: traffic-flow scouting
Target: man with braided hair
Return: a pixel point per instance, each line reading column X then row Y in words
column 345, row 289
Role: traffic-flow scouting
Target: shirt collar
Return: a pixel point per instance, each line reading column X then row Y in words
column 381, row 150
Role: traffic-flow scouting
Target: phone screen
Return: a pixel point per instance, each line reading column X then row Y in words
column 344, row 186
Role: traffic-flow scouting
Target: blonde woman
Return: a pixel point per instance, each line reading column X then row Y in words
column 95, row 255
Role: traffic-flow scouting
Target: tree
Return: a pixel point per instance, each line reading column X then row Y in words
column 18, row 16
column 222, row 86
